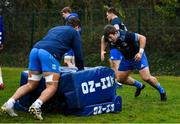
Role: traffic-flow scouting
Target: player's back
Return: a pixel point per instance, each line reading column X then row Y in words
column 58, row 40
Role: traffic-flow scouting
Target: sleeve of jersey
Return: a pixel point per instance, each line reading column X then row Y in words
column 77, row 47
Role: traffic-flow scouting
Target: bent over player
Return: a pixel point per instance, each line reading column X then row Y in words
column 132, row 47
column 44, row 61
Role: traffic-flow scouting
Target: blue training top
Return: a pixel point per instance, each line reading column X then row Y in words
column 60, row 40
column 128, row 44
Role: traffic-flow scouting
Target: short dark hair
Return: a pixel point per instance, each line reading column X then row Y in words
column 109, row 29
column 66, row 9
column 73, row 21
column 112, row 10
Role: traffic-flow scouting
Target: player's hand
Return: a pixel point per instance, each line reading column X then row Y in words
column 138, row 57
column 102, row 55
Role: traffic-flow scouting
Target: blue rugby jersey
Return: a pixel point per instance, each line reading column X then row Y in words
column 127, row 44
column 60, row 40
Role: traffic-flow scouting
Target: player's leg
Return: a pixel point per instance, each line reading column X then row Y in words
column 115, row 65
column 33, row 80
column 51, row 72
column 73, row 61
column 115, row 59
column 145, row 74
column 124, row 78
column 147, row 77
column 1, row 79
column 125, row 68
column 69, row 58
column 52, row 80
column 68, row 61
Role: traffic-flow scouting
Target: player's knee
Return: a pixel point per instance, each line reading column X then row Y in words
column 52, row 81
column 121, row 80
column 33, row 81
column 34, row 77
column 52, row 78
column 146, row 79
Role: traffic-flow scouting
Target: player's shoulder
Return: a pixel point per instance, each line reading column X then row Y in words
column 65, row 28
column 116, row 21
column 74, row 14
column 130, row 35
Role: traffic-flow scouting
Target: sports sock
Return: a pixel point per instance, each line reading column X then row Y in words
column 10, row 103
column 38, row 103
column 1, row 80
column 137, row 84
column 159, row 88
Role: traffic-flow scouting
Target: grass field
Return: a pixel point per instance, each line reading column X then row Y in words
column 147, row 108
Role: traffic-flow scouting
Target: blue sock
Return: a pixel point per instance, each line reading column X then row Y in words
column 159, row 88
column 137, row 84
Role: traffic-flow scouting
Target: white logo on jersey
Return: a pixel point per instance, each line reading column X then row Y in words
column 54, row 66
column 112, row 57
column 142, row 65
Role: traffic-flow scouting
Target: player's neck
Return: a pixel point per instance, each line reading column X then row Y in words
column 114, row 16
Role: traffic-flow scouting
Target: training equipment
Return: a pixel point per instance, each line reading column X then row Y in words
column 88, row 92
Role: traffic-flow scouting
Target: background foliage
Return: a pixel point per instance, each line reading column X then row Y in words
column 158, row 20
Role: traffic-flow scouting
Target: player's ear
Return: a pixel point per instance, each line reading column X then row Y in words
column 76, row 28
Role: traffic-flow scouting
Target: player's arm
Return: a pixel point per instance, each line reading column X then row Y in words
column 78, row 51
column 117, row 26
column 142, row 44
column 103, row 47
column 142, row 41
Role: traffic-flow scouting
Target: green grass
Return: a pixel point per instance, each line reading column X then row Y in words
column 146, row 108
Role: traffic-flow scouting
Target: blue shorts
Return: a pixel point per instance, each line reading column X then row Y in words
column 69, row 53
column 126, row 65
column 115, row 54
column 42, row 61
